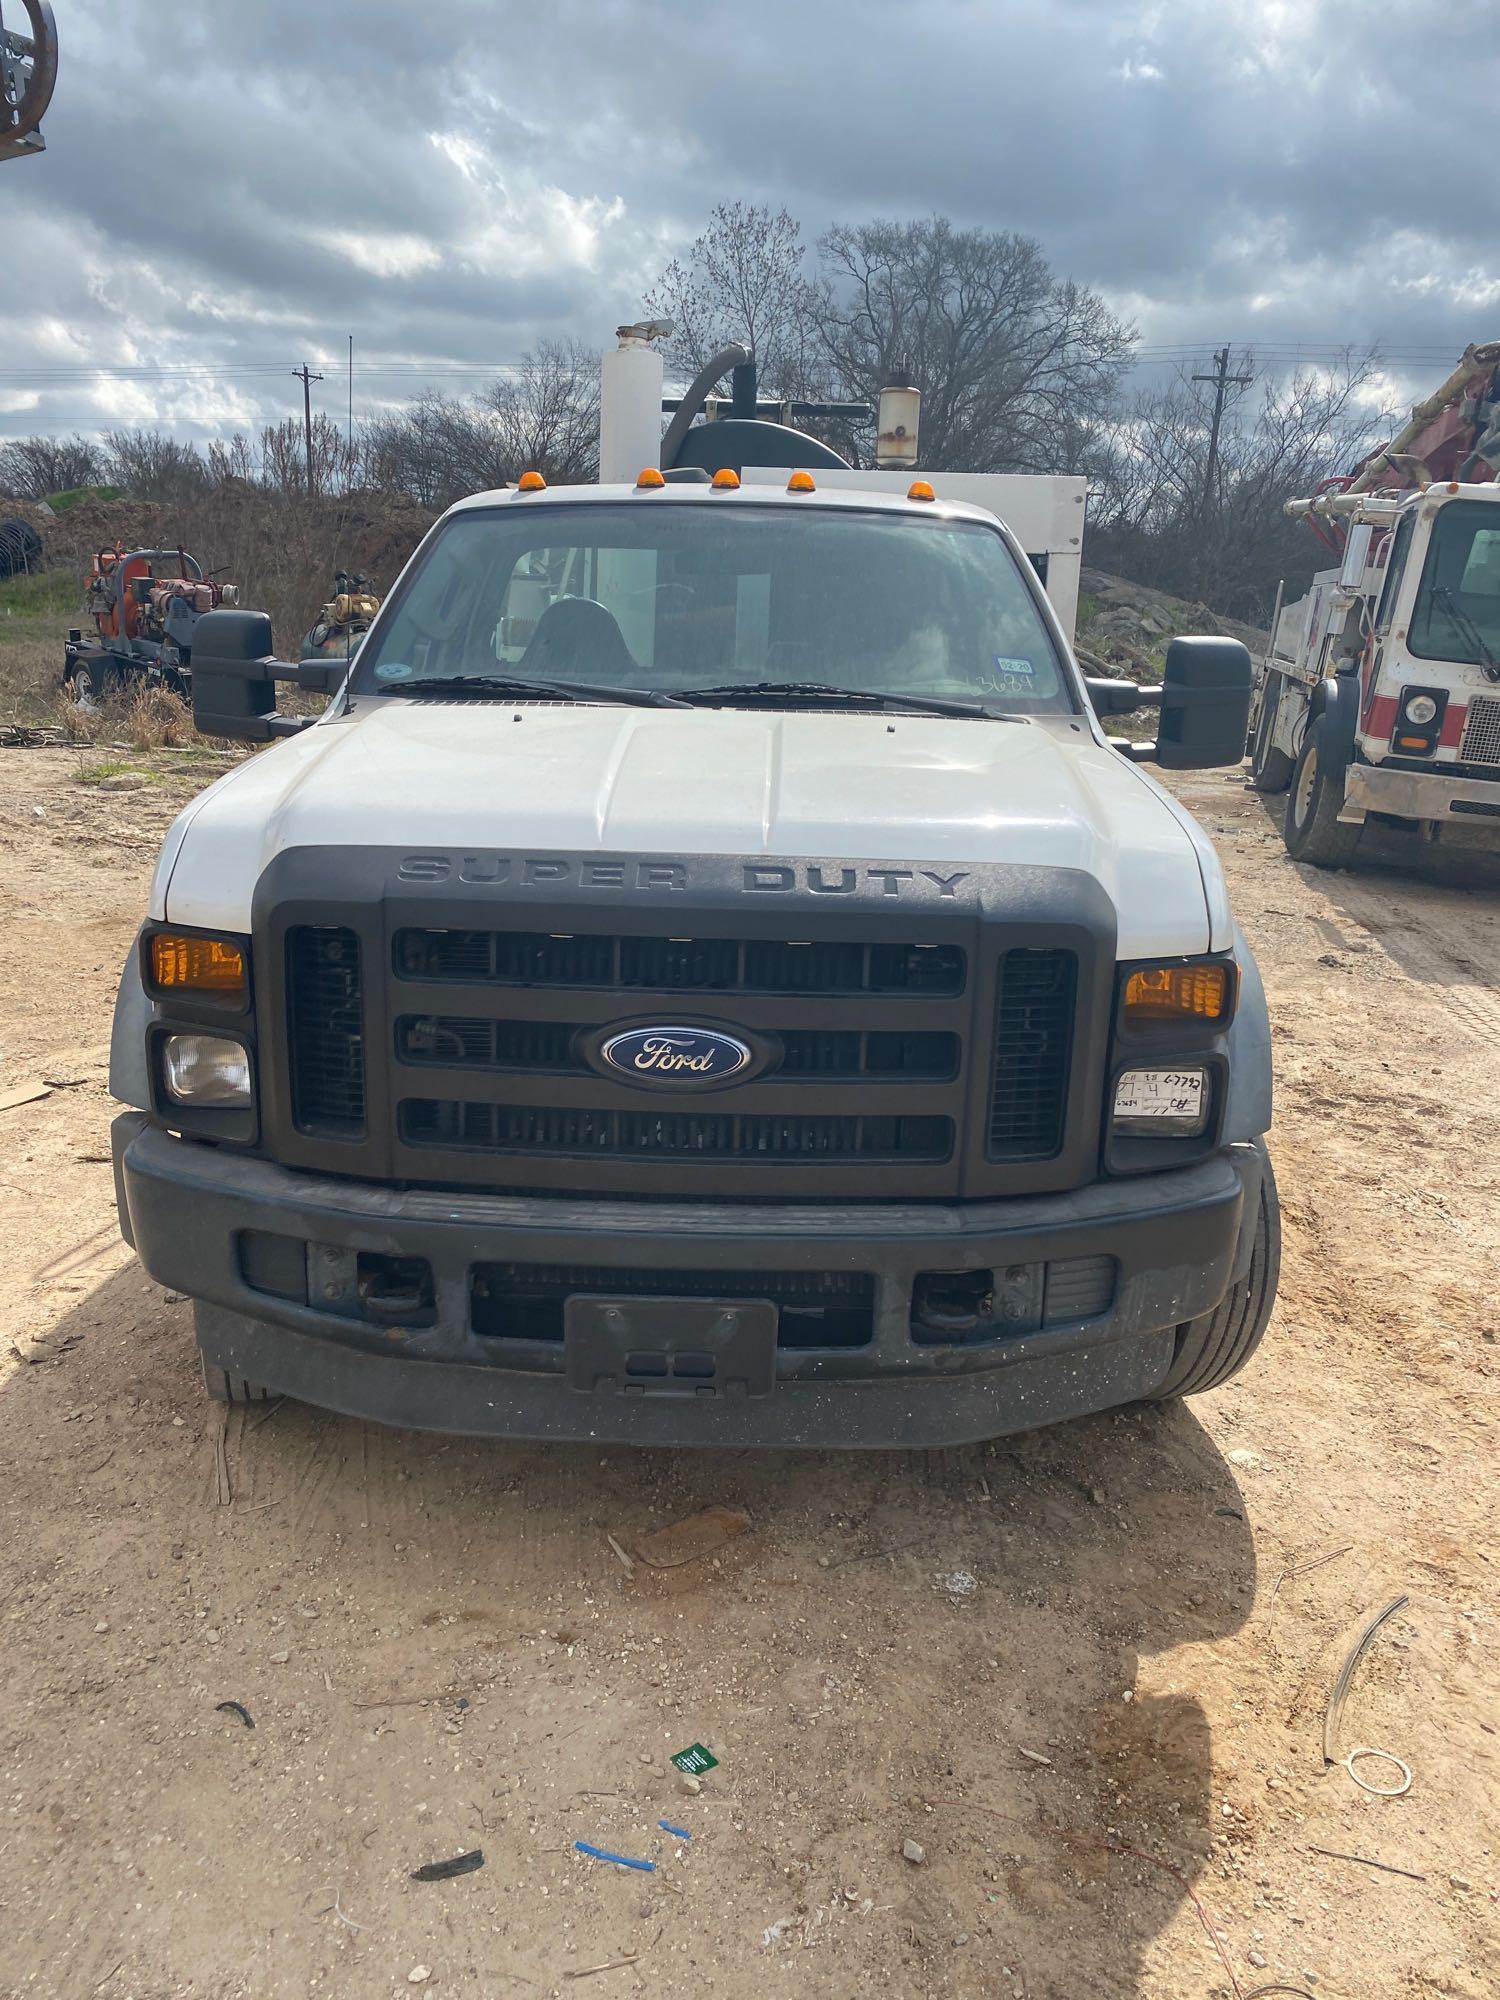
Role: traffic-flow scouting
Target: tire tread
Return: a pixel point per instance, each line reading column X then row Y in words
column 1217, row 1345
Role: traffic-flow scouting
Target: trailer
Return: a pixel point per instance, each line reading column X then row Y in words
column 1378, row 700
column 143, row 617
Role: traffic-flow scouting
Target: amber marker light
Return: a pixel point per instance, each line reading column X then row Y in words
column 920, row 489
column 1180, row 993
column 197, row 965
column 531, row 482
column 726, row 480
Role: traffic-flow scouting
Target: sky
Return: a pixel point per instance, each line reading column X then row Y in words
column 234, row 187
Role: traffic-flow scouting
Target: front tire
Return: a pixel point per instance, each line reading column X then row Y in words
column 1217, row 1345
column 1270, row 769
column 1312, row 828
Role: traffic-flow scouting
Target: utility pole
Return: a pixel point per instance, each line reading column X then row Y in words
column 306, row 377
column 1221, row 379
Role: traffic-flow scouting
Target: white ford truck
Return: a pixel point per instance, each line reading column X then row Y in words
column 768, row 1009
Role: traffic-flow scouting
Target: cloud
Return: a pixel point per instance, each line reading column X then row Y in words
column 451, row 186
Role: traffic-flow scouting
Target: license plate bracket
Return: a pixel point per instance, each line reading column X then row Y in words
column 702, row 1350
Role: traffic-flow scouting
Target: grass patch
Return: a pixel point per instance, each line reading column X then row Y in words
column 48, row 594
column 147, row 718
column 61, row 502
column 36, row 614
column 110, row 767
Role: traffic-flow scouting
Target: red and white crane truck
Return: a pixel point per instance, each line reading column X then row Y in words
column 1379, row 697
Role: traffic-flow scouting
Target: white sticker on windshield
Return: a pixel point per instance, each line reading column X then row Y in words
column 1023, row 668
column 393, row 670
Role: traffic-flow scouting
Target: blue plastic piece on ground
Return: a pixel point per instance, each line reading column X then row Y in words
column 620, row 1860
column 680, row 1831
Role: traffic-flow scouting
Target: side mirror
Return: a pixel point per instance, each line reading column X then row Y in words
column 235, row 673
column 1205, row 707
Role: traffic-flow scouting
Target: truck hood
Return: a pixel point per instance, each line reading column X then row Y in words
column 532, row 779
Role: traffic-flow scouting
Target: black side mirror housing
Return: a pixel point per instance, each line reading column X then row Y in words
column 1119, row 697
column 1205, row 707
column 235, row 673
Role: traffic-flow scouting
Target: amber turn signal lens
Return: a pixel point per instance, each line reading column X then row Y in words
column 1180, row 993
column 531, row 482
column 197, row 965
column 726, row 479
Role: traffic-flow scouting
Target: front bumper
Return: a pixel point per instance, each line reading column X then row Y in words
column 1473, row 802
column 1178, row 1240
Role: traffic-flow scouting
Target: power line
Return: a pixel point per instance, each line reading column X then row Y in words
column 188, row 372
column 41, row 374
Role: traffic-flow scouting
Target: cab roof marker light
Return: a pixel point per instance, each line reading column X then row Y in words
column 802, row 482
column 920, row 489
column 531, row 482
column 648, row 479
column 725, row 480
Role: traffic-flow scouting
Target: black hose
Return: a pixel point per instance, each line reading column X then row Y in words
column 735, row 355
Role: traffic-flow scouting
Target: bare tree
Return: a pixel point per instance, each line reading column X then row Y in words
column 1163, row 515
column 544, row 417
column 745, row 278
column 283, row 456
column 232, row 461
column 152, row 465
column 1006, row 354
column 31, row 468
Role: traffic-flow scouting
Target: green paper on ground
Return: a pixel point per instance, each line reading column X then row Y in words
column 695, row 1760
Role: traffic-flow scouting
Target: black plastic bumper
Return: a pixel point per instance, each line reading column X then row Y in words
column 1177, row 1239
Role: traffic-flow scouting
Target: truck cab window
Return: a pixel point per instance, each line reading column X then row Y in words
column 1460, row 591
column 691, row 594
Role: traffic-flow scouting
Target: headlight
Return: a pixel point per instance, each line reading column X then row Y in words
column 1162, row 1103
column 1420, row 709
column 205, row 1069
column 181, row 963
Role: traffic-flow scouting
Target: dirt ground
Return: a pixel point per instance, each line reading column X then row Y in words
column 1085, row 1669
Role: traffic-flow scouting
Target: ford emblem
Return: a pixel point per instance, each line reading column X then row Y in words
column 683, row 1058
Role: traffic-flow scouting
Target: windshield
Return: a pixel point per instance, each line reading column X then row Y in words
column 1459, row 601
column 676, row 596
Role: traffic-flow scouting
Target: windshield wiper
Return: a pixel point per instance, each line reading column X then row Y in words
column 1467, row 630
column 820, row 694
column 514, row 687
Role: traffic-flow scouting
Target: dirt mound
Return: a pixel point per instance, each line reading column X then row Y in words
column 1124, row 629
column 72, row 537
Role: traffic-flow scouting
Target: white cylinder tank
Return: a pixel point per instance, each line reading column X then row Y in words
column 630, row 426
